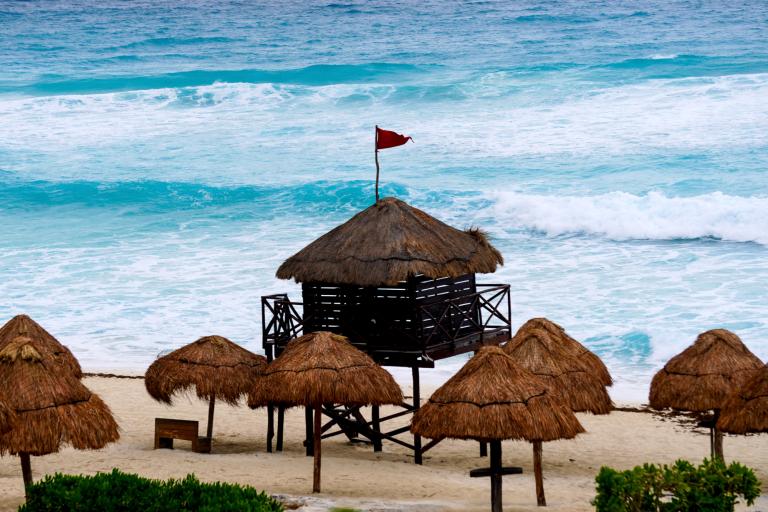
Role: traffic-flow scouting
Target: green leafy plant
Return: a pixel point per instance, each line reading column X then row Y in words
column 682, row 487
column 122, row 492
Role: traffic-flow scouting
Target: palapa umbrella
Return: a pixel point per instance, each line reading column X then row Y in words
column 22, row 325
column 7, row 416
column 703, row 376
column 571, row 346
column 538, row 352
column 52, row 406
column 746, row 411
column 216, row 367
column 493, row 398
column 323, row 368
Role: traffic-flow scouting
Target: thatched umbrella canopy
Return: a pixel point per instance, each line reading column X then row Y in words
column 493, row 398
column 703, row 376
column 538, row 352
column 746, row 411
column 52, row 406
column 388, row 242
column 7, row 416
column 22, row 325
column 323, row 368
column 570, row 345
column 216, row 367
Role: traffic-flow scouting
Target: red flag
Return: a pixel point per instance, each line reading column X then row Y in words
column 387, row 139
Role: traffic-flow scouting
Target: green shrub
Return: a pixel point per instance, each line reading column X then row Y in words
column 712, row 486
column 121, row 492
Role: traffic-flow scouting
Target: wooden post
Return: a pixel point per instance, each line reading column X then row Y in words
column 717, row 437
column 211, row 405
column 483, row 449
column 280, row 422
column 416, row 406
column 26, row 471
column 318, row 432
column 270, row 426
column 376, row 427
column 538, row 474
column 309, row 437
column 495, row 476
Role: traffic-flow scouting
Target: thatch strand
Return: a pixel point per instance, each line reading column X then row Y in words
column 24, row 326
column 324, row 368
column 746, row 411
column 565, row 374
column 52, row 406
column 212, row 365
column 386, row 244
column 570, row 345
column 494, row 398
column 705, row 374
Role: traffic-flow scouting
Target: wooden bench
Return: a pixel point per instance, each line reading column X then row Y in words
column 166, row 430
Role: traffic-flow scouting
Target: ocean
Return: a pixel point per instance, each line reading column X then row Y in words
column 158, row 161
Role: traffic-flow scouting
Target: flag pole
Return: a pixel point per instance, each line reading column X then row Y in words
column 376, row 156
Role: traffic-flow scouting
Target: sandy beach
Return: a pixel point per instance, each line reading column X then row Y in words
column 355, row 476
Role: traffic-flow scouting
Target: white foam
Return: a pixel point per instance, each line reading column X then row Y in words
column 623, row 216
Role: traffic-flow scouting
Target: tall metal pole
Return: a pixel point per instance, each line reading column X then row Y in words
column 376, row 156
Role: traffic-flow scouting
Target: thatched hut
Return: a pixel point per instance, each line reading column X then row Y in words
column 746, row 411
column 493, row 398
column 22, row 325
column 52, row 406
column 539, row 353
column 400, row 285
column 323, row 368
column 214, row 366
column 570, row 345
column 703, row 376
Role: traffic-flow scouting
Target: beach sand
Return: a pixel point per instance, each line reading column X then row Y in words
column 355, row 476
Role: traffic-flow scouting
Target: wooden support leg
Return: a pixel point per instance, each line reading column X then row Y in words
column 270, row 426
column 280, row 425
column 309, row 438
column 26, row 471
column 717, row 438
column 496, row 476
column 318, row 436
column 483, row 449
column 538, row 474
column 416, row 405
column 375, row 425
column 211, row 406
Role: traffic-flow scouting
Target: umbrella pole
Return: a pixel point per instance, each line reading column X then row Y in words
column 316, row 446
column 496, row 476
column 538, row 473
column 717, row 437
column 26, row 471
column 211, row 405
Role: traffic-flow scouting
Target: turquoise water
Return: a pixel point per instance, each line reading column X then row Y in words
column 158, row 162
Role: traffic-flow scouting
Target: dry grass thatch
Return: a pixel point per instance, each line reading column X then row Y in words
column 388, row 242
column 7, row 416
column 570, row 345
column 213, row 365
column 538, row 352
column 746, row 411
column 494, row 398
column 324, row 368
column 52, row 406
column 702, row 376
column 22, row 325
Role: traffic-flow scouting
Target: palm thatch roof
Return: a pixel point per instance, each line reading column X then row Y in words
column 52, row 405
column 388, row 242
column 704, row 375
column 538, row 352
column 494, row 398
column 22, row 325
column 746, row 411
column 321, row 368
column 570, row 345
column 213, row 365
column 7, row 416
